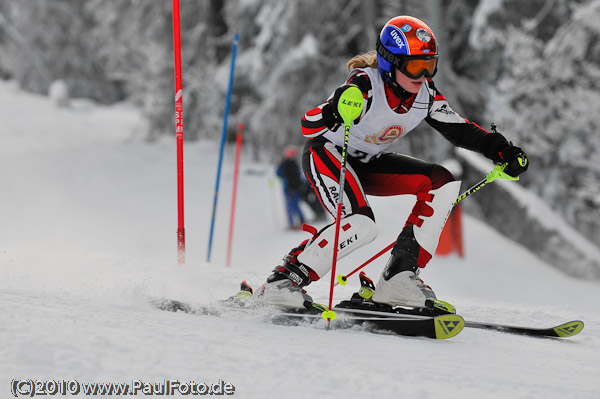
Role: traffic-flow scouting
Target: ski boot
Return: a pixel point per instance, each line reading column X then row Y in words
column 400, row 285
column 363, row 300
column 284, row 288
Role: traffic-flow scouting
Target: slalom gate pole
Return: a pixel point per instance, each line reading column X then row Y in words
column 223, row 137
column 350, row 107
column 497, row 172
column 179, row 133
column 238, row 148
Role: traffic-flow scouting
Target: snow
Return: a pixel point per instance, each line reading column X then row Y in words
column 89, row 234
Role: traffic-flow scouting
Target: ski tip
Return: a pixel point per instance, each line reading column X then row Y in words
column 569, row 329
column 448, row 326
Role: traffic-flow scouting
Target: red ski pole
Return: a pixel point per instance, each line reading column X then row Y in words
column 342, row 279
column 350, row 107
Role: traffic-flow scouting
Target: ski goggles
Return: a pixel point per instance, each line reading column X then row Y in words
column 416, row 66
column 413, row 66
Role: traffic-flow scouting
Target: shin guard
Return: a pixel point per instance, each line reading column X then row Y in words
column 355, row 231
column 427, row 232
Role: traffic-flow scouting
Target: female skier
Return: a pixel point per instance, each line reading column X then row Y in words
column 398, row 94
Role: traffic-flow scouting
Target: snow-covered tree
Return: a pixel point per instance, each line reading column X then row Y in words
column 64, row 47
column 546, row 96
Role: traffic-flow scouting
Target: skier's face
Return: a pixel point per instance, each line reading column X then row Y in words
column 409, row 84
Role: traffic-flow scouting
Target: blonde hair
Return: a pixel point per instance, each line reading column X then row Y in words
column 366, row 60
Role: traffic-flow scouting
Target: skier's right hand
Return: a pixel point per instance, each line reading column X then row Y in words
column 331, row 116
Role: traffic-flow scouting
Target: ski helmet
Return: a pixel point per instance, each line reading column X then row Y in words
column 407, row 44
column 290, row 152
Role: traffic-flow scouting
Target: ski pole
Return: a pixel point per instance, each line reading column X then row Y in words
column 497, row 172
column 350, row 106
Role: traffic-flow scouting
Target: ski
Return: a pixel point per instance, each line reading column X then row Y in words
column 564, row 330
column 361, row 303
column 437, row 327
column 172, row 305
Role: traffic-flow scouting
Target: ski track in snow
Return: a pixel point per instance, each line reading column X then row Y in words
column 89, row 234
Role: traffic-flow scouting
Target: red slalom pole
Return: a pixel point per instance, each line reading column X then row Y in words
column 349, row 107
column 343, row 278
column 238, row 148
column 179, row 132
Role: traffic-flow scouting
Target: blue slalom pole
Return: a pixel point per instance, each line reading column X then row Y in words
column 223, row 137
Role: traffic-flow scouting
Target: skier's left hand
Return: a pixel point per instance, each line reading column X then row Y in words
column 515, row 159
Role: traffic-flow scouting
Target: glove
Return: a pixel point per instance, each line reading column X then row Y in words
column 516, row 160
column 501, row 151
column 331, row 116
